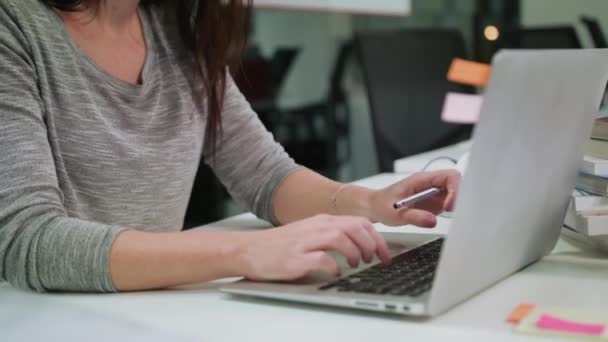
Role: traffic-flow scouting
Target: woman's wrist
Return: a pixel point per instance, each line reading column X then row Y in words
column 233, row 258
column 355, row 200
column 238, row 254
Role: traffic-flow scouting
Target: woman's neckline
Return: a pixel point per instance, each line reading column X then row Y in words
column 115, row 82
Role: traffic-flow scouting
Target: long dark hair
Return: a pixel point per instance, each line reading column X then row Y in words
column 215, row 32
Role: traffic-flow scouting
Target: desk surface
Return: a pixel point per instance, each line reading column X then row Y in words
column 569, row 277
column 417, row 162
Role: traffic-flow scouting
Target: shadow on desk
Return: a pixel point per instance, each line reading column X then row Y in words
column 285, row 305
column 584, row 263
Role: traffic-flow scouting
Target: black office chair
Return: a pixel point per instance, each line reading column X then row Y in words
column 282, row 60
column 311, row 133
column 596, row 32
column 207, row 199
column 405, row 75
column 260, row 80
column 557, row 37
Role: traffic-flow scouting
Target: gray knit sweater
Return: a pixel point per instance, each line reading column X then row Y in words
column 83, row 154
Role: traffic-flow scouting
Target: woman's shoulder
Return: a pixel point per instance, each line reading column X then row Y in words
column 23, row 10
column 19, row 16
column 164, row 26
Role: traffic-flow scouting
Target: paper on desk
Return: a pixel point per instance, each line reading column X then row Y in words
column 553, row 323
column 557, row 322
column 461, row 108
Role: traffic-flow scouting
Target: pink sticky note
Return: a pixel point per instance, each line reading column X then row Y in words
column 461, row 108
column 549, row 322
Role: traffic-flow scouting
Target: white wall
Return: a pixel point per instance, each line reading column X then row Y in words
column 317, row 34
column 556, row 12
column 384, row 7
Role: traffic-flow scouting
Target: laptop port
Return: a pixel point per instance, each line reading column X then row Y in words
column 366, row 304
column 390, row 307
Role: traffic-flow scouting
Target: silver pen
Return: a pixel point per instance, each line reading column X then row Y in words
column 416, row 198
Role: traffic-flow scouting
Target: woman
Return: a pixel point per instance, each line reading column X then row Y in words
column 106, row 108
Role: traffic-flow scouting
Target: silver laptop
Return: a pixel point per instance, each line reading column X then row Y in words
column 527, row 148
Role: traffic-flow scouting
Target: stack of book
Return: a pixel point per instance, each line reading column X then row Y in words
column 588, row 211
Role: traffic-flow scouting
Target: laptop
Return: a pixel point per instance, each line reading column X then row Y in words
column 537, row 114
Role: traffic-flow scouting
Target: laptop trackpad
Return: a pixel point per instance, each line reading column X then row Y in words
column 398, row 242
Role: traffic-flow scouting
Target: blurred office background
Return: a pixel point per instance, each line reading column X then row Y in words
column 346, row 94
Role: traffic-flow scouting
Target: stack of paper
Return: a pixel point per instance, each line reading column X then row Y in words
column 587, row 215
column 588, row 212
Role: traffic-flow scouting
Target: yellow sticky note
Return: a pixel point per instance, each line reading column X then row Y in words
column 469, row 73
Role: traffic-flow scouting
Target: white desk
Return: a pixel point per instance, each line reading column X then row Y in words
column 569, row 277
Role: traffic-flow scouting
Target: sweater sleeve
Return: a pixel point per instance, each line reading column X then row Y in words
column 41, row 247
column 248, row 161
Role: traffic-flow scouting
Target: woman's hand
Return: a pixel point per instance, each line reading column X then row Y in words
column 422, row 214
column 294, row 250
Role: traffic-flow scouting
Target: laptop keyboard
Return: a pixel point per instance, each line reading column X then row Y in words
column 409, row 274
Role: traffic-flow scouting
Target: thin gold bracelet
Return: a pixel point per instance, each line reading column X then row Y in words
column 334, row 198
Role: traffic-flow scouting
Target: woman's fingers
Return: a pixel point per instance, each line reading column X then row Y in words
column 358, row 233
column 290, row 252
column 419, row 217
column 320, row 260
column 449, row 202
column 354, row 238
column 452, row 183
column 336, row 240
column 447, row 180
column 382, row 249
column 371, row 243
column 434, row 205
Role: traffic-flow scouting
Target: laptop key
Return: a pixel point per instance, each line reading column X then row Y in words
column 420, row 290
column 410, row 274
column 401, row 291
